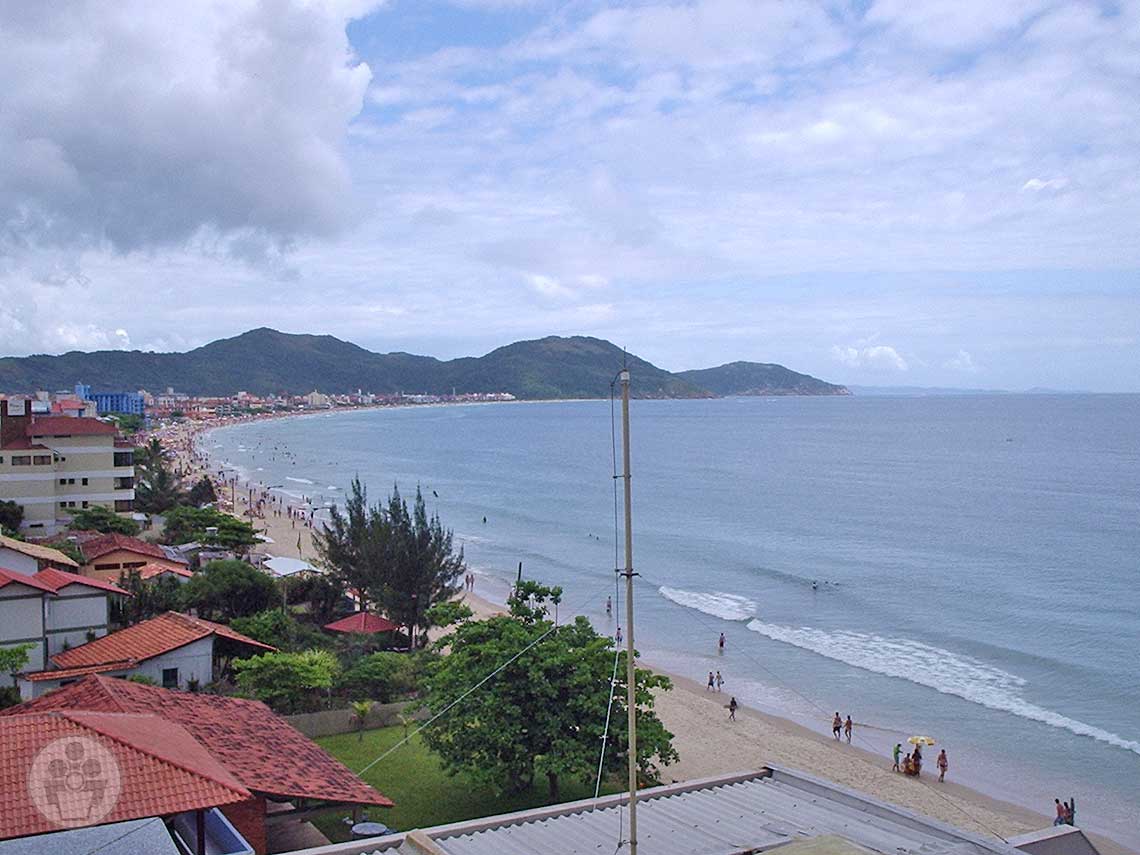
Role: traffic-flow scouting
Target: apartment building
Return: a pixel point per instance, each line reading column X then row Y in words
column 51, row 465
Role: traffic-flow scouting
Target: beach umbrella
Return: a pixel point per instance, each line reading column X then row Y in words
column 921, row 740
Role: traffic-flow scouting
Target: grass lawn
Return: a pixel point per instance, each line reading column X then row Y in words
column 424, row 794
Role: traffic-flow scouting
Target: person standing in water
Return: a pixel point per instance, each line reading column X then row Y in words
column 719, row 681
column 720, row 643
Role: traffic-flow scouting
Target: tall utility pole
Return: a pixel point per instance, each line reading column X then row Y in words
column 630, row 665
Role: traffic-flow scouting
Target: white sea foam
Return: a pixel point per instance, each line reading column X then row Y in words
column 715, row 603
column 938, row 669
column 298, row 480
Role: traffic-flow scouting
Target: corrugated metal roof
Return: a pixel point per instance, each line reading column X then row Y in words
column 732, row 814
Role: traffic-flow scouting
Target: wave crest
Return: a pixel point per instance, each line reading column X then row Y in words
column 715, row 603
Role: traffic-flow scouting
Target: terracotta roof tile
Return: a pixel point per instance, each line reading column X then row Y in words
column 162, row 769
column 263, row 752
column 57, row 580
column 150, row 571
column 34, row 550
column 99, row 546
column 68, row 426
column 148, row 639
column 11, row 577
column 364, row 622
column 79, row 671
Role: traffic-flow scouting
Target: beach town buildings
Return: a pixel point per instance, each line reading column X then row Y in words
column 51, row 465
column 174, row 650
column 118, row 403
column 51, row 610
column 111, row 556
column 284, row 778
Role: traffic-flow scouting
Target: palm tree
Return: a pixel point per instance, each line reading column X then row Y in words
column 361, row 709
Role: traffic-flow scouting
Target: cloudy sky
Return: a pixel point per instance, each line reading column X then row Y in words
column 886, row 193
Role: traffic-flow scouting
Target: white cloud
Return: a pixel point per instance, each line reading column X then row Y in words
column 874, row 357
column 1036, row 185
column 136, row 124
column 962, row 361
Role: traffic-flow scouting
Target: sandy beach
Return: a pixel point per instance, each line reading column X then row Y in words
column 707, row 742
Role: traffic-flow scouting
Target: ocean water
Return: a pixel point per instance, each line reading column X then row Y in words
column 975, row 560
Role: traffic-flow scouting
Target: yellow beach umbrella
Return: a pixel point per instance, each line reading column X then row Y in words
column 921, row 740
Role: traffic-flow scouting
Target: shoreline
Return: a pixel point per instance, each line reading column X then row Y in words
column 710, row 745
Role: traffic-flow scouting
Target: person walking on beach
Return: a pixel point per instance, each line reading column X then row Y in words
column 732, row 709
column 609, row 606
column 847, row 729
column 719, row 681
column 897, row 752
column 1062, row 814
column 836, row 726
column 618, row 635
column 712, row 682
column 943, row 764
column 720, row 643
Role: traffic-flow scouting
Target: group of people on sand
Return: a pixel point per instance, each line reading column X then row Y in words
column 912, row 763
column 838, row 725
column 1066, row 812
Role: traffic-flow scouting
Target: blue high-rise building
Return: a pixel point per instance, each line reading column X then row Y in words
column 119, row 403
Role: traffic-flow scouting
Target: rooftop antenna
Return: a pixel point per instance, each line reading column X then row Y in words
column 630, row 665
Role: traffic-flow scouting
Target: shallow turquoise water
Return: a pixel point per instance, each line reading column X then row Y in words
column 975, row 559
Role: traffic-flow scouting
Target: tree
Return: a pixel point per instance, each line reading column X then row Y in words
column 99, row 518
column 319, row 592
column 129, row 422
column 149, row 456
column 544, row 713
column 11, row 517
column 186, row 524
column 288, row 682
column 279, row 629
column 148, row 599
column 224, row 590
column 361, row 709
column 404, row 561
column 202, row 493
column 69, row 548
column 381, row 676
column 14, row 659
column 157, row 490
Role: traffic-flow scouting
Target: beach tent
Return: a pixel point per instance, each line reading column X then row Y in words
column 362, row 622
column 289, row 566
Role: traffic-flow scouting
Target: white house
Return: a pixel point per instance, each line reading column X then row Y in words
column 52, row 610
column 174, row 650
column 29, row 558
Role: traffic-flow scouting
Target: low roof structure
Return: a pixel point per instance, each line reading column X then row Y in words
column 35, row 550
column 1055, row 840
column 141, row 765
column 362, row 622
column 281, row 566
column 153, row 571
column 747, row 812
column 11, row 577
column 148, row 639
column 104, row 544
column 118, row 838
column 57, row 580
column 68, row 426
column 261, row 750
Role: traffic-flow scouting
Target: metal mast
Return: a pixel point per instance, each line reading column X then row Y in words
column 630, row 665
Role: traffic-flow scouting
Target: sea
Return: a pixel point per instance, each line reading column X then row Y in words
column 961, row 567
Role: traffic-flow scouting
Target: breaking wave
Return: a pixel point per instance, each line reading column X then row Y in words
column 938, row 669
column 298, row 480
column 715, row 603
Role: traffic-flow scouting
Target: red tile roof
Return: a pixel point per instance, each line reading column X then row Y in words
column 79, row 671
column 23, row 444
column 11, row 577
column 99, row 546
column 259, row 748
column 68, row 426
column 150, row 571
column 364, row 622
column 148, row 639
column 57, row 580
column 161, row 769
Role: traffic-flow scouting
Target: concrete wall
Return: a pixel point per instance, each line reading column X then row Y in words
column 22, row 622
column 194, row 661
column 71, row 615
column 18, row 562
column 332, row 722
column 109, row 567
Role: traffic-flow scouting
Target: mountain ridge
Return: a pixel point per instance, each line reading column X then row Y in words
column 265, row 361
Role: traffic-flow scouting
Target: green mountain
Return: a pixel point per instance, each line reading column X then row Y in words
column 759, row 378
column 266, row 361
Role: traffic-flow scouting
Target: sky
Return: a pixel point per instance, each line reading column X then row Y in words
column 881, row 192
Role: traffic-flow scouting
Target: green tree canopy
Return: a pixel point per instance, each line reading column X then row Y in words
column 186, row 524
column 279, row 629
column 157, row 490
column 545, row 712
column 148, row 599
column 224, row 590
column 402, row 560
column 11, row 517
column 202, row 493
column 382, row 676
column 14, row 659
column 99, row 518
column 288, row 682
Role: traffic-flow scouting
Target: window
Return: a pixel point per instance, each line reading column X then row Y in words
column 85, row 504
column 170, row 678
column 35, row 525
column 62, row 481
column 124, row 458
column 63, row 504
column 21, row 460
column 71, row 504
column 42, row 460
column 70, row 480
column 124, row 505
column 84, row 482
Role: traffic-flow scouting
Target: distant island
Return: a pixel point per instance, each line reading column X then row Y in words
column 266, row 362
